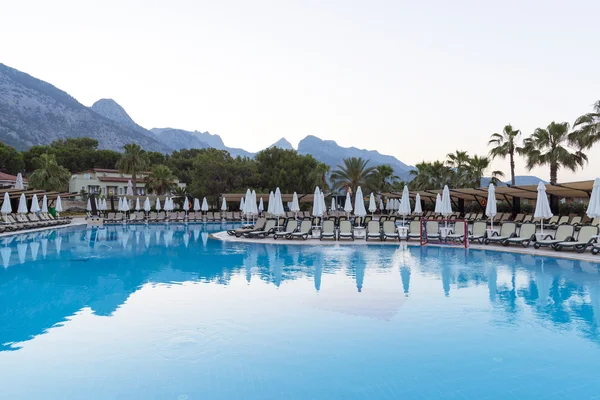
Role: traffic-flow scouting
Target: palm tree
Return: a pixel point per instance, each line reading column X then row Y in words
column 49, row 175
column 383, row 178
column 506, row 146
column 354, row 173
column 427, row 175
column 550, row 147
column 321, row 176
column 587, row 129
column 133, row 160
column 161, row 180
column 476, row 170
column 459, row 162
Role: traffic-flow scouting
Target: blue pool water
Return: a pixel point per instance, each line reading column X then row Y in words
column 167, row 313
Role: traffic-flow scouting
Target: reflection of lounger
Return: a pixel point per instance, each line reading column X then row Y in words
column 564, row 233
column 587, row 236
column 526, row 235
column 303, row 232
column 506, row 232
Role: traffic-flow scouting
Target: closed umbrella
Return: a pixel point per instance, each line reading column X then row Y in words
column 35, row 205
column 196, row 205
column 404, row 203
column 6, row 207
column 147, row 205
column 204, row 205
column 372, row 205
column 323, row 205
column 58, row 206
column 22, row 204
column 157, row 204
column 388, row 205
column 348, row 205
column 438, row 204
column 224, row 204
column 593, row 209
column 359, row 204
column 418, row 209
column 380, row 204
column 253, row 206
column 542, row 207
column 242, row 205
column 490, row 207
column 278, row 206
column 19, row 182
column 45, row 204
column 261, row 206
column 295, row 205
column 129, row 191
column 89, row 205
column 333, row 207
column 317, row 211
column 271, row 202
column 137, row 204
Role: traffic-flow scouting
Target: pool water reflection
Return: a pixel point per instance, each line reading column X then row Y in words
column 165, row 312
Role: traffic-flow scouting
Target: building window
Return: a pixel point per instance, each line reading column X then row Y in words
column 120, row 191
column 86, row 176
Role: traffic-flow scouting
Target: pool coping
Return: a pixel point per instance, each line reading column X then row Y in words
column 587, row 256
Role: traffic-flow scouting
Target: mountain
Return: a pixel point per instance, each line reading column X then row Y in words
column 180, row 139
column 34, row 112
column 282, row 144
column 110, row 109
column 332, row 154
column 522, row 180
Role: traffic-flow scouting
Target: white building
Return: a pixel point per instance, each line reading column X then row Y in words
column 108, row 182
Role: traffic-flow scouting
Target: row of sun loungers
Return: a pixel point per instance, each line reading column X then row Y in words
column 17, row 222
column 176, row 216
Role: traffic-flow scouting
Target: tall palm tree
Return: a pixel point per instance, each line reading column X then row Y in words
column 459, row 162
column 161, row 180
column 321, row 176
column 420, row 176
column 587, row 129
column 550, row 147
column 384, row 178
column 427, row 175
column 505, row 145
column 49, row 175
column 133, row 161
column 353, row 173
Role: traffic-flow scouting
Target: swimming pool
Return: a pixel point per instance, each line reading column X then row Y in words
column 165, row 312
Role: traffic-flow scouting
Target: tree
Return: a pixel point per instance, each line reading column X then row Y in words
column 383, row 178
column 49, row 175
column 587, row 129
column 133, row 161
column 476, row 169
column 505, row 145
column 160, row 180
column 353, row 173
column 320, row 176
column 459, row 162
column 550, row 147
column 182, row 163
column 11, row 160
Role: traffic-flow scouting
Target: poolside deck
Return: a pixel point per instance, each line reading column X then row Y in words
column 544, row 252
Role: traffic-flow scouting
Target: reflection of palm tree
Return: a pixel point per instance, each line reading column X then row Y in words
column 405, row 276
column 446, row 274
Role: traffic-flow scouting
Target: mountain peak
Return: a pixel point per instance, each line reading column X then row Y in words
column 282, row 143
column 110, row 109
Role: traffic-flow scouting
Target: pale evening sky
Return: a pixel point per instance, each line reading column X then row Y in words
column 412, row 79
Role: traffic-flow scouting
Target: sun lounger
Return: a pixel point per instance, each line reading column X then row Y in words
column 268, row 229
column 303, row 232
column 260, row 224
column 346, row 230
column 507, row 231
column 433, row 230
column 414, row 230
column 478, row 232
column 518, row 218
column 210, row 216
column 585, row 238
column 458, row 232
column 525, row 237
column 358, row 221
column 328, row 230
column 291, row 226
column 389, row 231
column 373, row 230
column 564, row 233
column 552, row 221
column 561, row 221
column 229, row 216
column 161, row 216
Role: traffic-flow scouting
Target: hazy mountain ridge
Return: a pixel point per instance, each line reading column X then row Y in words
column 34, row 112
column 181, row 139
column 112, row 110
column 282, row 144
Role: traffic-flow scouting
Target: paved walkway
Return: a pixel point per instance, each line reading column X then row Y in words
column 546, row 252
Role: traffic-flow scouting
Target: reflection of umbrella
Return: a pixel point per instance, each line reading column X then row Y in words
column 359, row 204
column 6, row 207
column 446, row 279
column 58, row 244
column 22, row 205
column 196, row 234
column 543, row 282
column 147, row 238
column 204, row 236
column 542, row 208
column 168, row 237
column 595, row 300
column 157, row 236
column 490, row 207
column 35, row 205
column 418, row 209
column 492, row 281
column 5, row 252
column 405, row 276
column 44, row 243
column 34, row 247
column 186, row 239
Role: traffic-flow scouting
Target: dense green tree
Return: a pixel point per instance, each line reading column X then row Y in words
column 353, row 173
column 586, row 129
column 182, row 163
column 506, row 145
column 550, row 147
column 133, row 161
column 11, row 161
column 161, row 180
column 49, row 175
column 289, row 171
column 383, row 178
column 155, row 158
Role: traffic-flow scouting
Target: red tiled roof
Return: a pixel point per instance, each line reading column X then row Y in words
column 9, row 177
column 105, row 170
column 116, row 179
